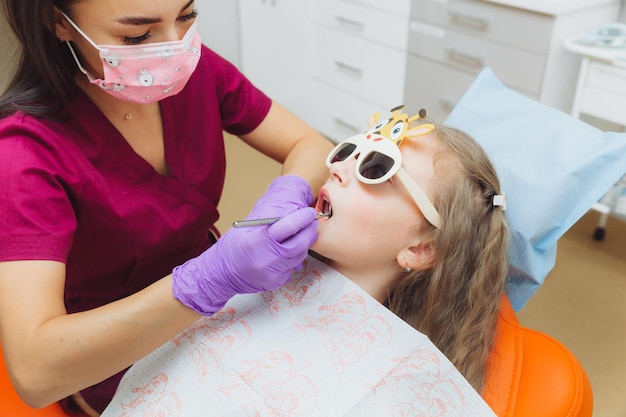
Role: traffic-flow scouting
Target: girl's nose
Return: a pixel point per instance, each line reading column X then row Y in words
column 343, row 171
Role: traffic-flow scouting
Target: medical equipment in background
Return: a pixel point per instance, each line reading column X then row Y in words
column 601, row 93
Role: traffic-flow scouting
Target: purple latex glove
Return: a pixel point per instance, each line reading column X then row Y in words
column 285, row 195
column 252, row 259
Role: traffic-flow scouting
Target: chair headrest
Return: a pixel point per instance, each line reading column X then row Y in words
column 552, row 167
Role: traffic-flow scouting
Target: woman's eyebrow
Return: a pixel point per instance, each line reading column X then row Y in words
column 142, row 20
column 138, row 20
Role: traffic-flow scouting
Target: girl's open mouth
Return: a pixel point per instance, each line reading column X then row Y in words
column 323, row 206
column 327, row 208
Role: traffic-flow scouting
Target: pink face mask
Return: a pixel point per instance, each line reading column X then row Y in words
column 144, row 73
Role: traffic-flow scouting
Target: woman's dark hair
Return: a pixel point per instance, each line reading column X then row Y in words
column 43, row 81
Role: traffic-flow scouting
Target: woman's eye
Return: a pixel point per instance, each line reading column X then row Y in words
column 137, row 39
column 190, row 16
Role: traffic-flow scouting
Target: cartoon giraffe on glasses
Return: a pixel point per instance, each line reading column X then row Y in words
column 396, row 127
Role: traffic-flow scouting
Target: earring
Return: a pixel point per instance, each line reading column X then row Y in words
column 408, row 268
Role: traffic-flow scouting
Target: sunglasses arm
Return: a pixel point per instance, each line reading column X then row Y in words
column 420, row 198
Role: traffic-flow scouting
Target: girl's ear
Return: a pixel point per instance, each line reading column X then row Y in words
column 417, row 257
column 62, row 27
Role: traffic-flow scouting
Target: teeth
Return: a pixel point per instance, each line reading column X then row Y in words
column 327, row 208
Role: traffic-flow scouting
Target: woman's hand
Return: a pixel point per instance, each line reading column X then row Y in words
column 252, row 259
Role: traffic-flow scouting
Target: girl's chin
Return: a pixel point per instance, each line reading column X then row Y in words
column 318, row 251
column 315, row 248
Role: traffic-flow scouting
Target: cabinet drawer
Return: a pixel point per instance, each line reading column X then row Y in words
column 518, row 68
column 607, row 77
column 604, row 105
column 604, row 95
column 388, row 29
column 368, row 70
column 399, row 7
column 505, row 25
column 434, row 87
column 339, row 115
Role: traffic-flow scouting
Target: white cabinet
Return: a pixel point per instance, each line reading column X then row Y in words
column 451, row 41
column 601, row 89
column 276, row 49
column 359, row 50
column 336, row 62
column 601, row 93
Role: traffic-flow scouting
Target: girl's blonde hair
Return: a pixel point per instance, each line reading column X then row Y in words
column 455, row 303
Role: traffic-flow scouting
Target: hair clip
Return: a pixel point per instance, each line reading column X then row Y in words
column 499, row 200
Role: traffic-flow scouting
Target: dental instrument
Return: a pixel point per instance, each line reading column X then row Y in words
column 270, row 220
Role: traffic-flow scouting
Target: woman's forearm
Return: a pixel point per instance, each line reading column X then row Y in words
column 71, row 352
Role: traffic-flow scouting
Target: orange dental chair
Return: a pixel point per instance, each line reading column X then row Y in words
column 529, row 374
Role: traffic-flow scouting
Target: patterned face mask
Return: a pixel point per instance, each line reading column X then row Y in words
column 144, row 73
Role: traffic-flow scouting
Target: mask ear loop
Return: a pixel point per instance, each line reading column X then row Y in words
column 80, row 67
column 69, row 45
column 83, row 34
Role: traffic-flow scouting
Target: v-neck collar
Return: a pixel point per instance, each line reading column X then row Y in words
column 112, row 139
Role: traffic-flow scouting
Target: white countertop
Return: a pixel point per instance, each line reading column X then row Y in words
column 552, row 7
column 616, row 56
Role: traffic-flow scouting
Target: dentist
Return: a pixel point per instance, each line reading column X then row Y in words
column 112, row 165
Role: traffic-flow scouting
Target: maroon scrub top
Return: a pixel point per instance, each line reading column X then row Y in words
column 74, row 191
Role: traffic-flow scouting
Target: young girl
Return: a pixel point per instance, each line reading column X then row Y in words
column 415, row 221
column 112, row 165
column 443, row 275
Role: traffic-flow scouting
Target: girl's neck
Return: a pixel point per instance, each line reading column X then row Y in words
column 377, row 282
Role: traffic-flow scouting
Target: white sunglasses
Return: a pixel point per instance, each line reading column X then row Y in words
column 380, row 159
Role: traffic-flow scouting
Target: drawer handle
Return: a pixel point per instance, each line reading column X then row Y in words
column 349, row 23
column 470, row 21
column 463, row 58
column 349, row 69
column 345, row 124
